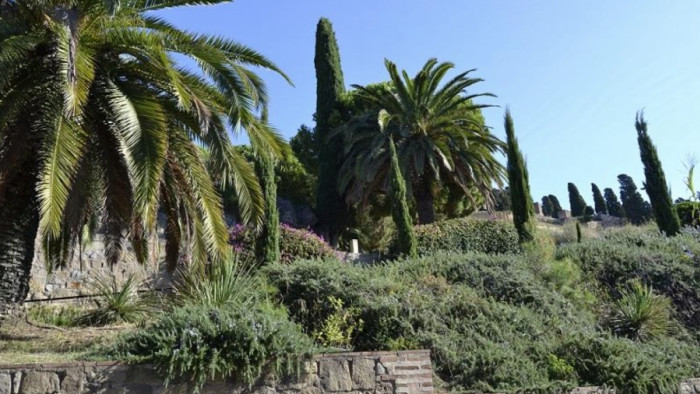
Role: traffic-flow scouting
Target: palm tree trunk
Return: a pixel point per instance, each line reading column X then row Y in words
column 18, row 230
column 425, row 204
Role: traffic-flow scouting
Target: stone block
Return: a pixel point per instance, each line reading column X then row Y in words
column 5, row 383
column 335, row 375
column 363, row 374
column 72, row 382
column 35, row 382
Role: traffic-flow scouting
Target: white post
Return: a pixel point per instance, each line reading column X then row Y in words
column 355, row 247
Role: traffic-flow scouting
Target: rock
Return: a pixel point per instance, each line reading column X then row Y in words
column 73, row 381
column 363, row 376
column 5, row 383
column 335, row 375
column 35, row 382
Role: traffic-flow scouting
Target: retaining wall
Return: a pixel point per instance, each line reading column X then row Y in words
column 349, row 373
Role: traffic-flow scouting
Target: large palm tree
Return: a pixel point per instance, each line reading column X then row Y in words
column 440, row 136
column 98, row 121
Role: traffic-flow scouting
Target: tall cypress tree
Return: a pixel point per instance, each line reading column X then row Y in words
column 632, row 201
column 330, row 207
column 613, row 204
column 664, row 212
column 519, row 184
column 578, row 204
column 556, row 206
column 268, row 241
column 598, row 200
column 399, row 207
column 547, row 206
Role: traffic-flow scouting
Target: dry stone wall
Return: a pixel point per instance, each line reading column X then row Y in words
column 349, row 373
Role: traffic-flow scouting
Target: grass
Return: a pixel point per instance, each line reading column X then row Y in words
column 24, row 343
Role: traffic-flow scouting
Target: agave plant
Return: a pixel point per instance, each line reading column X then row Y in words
column 439, row 133
column 98, row 120
column 640, row 314
column 115, row 303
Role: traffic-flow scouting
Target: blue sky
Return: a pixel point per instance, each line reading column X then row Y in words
column 573, row 73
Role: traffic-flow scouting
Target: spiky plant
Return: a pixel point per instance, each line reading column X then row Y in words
column 98, row 119
column 439, row 133
column 116, row 303
column 640, row 314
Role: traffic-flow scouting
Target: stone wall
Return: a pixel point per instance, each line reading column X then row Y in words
column 349, row 373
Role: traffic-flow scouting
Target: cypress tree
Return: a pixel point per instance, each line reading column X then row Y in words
column 655, row 185
column 399, row 207
column 555, row 205
column 632, row 201
column 330, row 207
column 519, row 184
column 613, row 204
column 598, row 200
column 578, row 204
column 547, row 206
column 268, row 241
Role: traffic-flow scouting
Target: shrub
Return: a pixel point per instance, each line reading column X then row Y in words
column 199, row 343
column 668, row 264
column 116, row 303
column 689, row 213
column 228, row 283
column 338, row 329
column 640, row 314
column 467, row 235
column 295, row 244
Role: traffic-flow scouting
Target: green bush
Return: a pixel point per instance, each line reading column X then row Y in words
column 467, row 235
column 640, row 314
column 295, row 244
column 668, row 264
column 199, row 343
column 116, row 303
column 689, row 213
column 492, row 322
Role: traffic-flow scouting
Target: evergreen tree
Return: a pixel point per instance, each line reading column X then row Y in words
column 613, row 204
column 632, row 201
column 556, row 206
column 598, row 200
column 655, row 185
column 578, row 204
column 547, row 206
column 399, row 207
column 519, row 184
column 330, row 207
column 268, row 241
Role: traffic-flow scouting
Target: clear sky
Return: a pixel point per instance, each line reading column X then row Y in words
column 573, row 73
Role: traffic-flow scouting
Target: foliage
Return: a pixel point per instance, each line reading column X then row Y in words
column 555, row 205
column 519, row 184
column 267, row 245
column 305, row 148
column 667, row 264
column 547, row 206
column 578, row 204
column 689, row 213
column 294, row 181
column 116, row 303
column 632, row 202
column 406, row 239
column 439, row 134
column 598, row 200
column 657, row 189
column 613, row 204
column 640, row 314
column 492, row 323
column 578, row 232
column 198, row 343
column 338, row 328
column 467, row 235
column 501, row 199
column 295, row 244
column 225, row 284
column 330, row 207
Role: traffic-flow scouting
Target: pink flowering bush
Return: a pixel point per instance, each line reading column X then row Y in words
column 295, row 244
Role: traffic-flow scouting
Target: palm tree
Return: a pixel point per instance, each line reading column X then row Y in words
column 99, row 127
column 440, row 136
